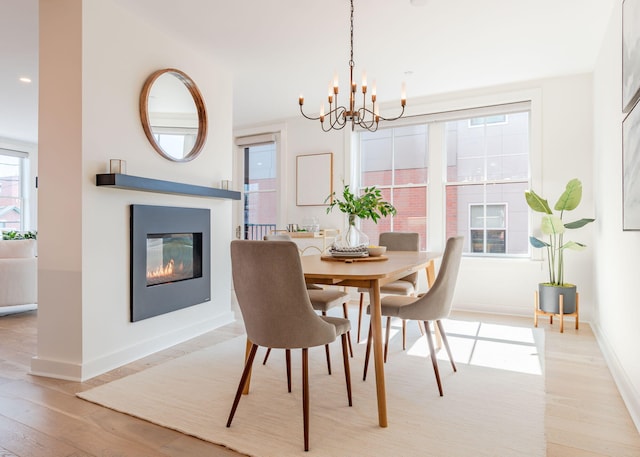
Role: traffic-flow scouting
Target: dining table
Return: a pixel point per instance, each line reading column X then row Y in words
column 370, row 273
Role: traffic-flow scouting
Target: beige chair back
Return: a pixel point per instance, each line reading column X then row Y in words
column 273, row 298
column 436, row 303
column 402, row 241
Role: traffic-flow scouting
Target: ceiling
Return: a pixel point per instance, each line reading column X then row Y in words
column 279, row 49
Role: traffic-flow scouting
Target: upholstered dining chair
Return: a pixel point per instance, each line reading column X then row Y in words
column 322, row 300
column 277, row 313
column 408, row 285
column 432, row 306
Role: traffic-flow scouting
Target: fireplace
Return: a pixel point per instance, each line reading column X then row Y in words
column 170, row 259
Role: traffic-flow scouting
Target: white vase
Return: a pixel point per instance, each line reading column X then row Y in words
column 352, row 235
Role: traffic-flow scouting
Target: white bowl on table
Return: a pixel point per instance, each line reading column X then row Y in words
column 376, row 251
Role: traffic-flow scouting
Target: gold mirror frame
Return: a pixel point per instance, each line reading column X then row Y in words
column 201, row 137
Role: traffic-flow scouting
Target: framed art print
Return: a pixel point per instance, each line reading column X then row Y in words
column 631, row 170
column 314, row 179
column 630, row 54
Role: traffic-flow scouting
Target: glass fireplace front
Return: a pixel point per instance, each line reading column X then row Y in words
column 173, row 257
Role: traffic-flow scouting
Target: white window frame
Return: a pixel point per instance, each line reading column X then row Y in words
column 357, row 172
column 243, row 138
column 25, row 177
column 441, row 111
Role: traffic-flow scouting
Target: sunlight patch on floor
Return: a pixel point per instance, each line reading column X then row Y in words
column 502, row 347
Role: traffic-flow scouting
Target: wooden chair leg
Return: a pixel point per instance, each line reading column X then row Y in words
column 367, row 353
column 561, row 313
column 287, row 353
column 386, row 338
column 432, row 351
column 360, row 314
column 266, row 356
column 305, row 396
column 327, row 352
column 345, row 311
column 347, row 369
column 404, row 335
column 243, row 381
column 446, row 344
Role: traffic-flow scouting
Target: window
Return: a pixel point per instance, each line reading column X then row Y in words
column 396, row 161
column 473, row 187
column 260, row 190
column 487, row 228
column 487, row 172
column 11, row 201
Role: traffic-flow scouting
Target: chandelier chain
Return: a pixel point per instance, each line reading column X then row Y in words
column 351, row 62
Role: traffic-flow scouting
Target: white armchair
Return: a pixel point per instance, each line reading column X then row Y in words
column 18, row 272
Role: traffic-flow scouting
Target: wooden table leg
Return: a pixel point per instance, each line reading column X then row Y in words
column 376, row 329
column 431, row 274
column 246, row 355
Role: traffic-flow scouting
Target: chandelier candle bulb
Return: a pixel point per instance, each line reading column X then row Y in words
column 403, row 94
column 301, row 100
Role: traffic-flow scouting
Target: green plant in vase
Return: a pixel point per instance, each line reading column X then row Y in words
column 368, row 205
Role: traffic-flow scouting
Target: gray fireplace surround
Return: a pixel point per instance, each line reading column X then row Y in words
column 158, row 234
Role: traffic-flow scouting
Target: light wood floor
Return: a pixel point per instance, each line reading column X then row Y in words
column 585, row 415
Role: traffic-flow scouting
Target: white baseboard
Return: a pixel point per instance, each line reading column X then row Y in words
column 82, row 372
column 629, row 395
column 15, row 309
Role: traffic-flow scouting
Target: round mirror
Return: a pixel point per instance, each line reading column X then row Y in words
column 173, row 115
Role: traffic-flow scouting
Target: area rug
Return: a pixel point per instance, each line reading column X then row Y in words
column 484, row 411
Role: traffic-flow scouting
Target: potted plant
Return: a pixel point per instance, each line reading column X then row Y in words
column 554, row 227
column 369, row 205
column 15, row 235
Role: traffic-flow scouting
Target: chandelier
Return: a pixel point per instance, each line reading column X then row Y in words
column 366, row 117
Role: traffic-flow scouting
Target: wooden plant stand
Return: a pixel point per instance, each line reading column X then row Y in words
column 539, row 312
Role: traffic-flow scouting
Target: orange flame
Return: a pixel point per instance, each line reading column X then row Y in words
column 167, row 271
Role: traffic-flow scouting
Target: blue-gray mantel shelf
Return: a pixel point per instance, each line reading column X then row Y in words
column 120, row 181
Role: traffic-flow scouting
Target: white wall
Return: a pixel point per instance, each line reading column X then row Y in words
column 95, row 57
column 617, row 312
column 561, row 125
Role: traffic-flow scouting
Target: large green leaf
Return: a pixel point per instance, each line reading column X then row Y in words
column 536, row 243
column 578, row 224
column 570, row 198
column 574, row 246
column 551, row 225
column 536, row 202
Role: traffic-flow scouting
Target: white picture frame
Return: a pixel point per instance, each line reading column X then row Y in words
column 314, row 179
column 631, row 170
column 630, row 54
